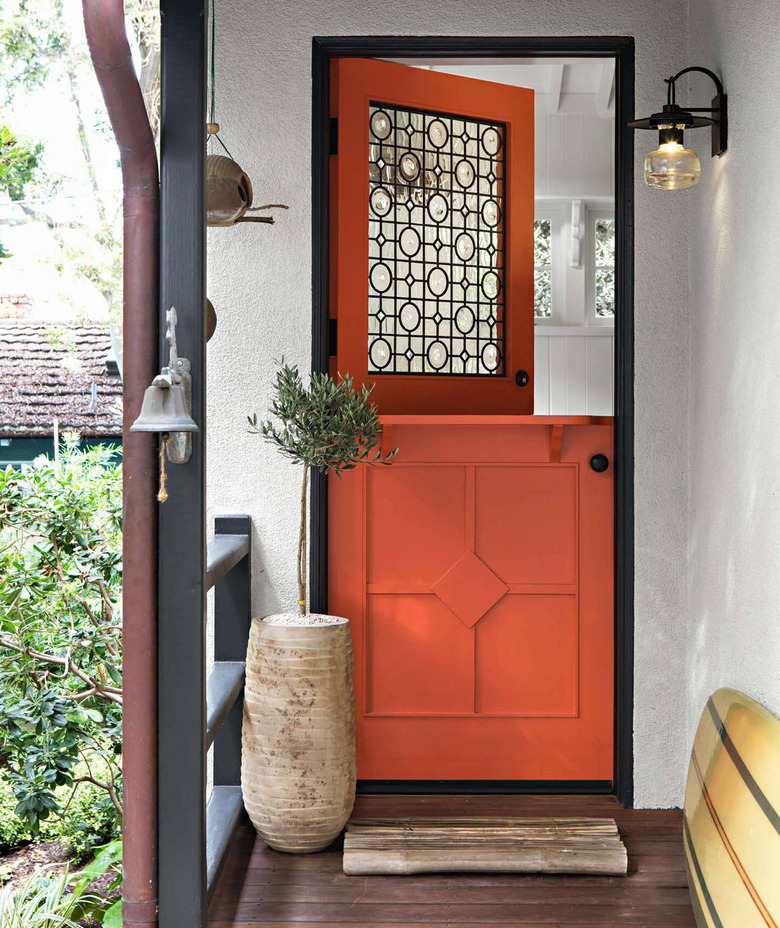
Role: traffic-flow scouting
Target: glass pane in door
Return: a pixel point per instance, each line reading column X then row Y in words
column 436, row 243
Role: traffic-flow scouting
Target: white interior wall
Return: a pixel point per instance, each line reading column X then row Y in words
column 734, row 413
column 574, row 160
column 574, row 156
column 259, row 282
column 573, row 371
column 573, row 358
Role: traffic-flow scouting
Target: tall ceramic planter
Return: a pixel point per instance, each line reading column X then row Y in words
column 298, row 763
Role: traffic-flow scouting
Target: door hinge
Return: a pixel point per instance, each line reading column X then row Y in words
column 333, row 337
column 334, row 136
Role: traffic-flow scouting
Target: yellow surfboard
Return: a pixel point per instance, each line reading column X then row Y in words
column 731, row 826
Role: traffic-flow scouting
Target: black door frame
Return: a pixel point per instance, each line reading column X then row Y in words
column 621, row 48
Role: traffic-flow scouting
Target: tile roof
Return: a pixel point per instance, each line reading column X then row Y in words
column 52, row 370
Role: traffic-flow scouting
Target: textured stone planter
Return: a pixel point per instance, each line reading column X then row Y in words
column 298, row 763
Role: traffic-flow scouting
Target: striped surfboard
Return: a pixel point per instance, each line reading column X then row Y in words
column 731, row 826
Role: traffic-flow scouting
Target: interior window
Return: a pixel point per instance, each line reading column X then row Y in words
column 604, row 267
column 542, row 268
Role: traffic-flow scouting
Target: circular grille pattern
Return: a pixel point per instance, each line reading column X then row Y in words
column 436, row 244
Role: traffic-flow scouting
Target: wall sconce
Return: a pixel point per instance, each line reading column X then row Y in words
column 672, row 166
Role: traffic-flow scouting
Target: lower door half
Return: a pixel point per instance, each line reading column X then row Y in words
column 477, row 575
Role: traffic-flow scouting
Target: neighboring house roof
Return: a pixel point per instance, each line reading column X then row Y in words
column 54, row 371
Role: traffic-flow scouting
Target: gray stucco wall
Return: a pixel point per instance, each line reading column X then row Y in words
column 734, row 555
column 259, row 281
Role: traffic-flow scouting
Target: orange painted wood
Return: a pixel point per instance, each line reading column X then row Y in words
column 477, row 575
column 477, row 570
column 358, row 82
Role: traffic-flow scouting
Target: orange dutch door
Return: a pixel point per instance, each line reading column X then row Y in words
column 476, row 571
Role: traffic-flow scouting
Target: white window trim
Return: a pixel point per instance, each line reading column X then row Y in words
column 555, row 213
column 591, row 215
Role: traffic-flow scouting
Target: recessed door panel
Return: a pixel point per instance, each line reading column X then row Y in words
column 527, row 522
column 419, row 659
column 415, row 523
column 518, row 671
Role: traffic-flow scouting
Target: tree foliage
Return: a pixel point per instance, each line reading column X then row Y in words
column 19, row 163
column 60, row 629
column 38, row 48
column 48, row 899
column 30, row 39
column 605, row 267
column 55, row 898
column 328, row 425
column 542, row 268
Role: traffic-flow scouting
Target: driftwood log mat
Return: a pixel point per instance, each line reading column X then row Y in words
column 502, row 845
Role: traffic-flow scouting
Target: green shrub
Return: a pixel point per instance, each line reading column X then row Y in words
column 60, row 637
column 47, row 900
column 89, row 821
column 13, row 830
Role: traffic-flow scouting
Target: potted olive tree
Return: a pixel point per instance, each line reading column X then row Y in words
column 298, row 766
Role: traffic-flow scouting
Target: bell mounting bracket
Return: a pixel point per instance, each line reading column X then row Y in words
column 178, row 371
column 167, row 403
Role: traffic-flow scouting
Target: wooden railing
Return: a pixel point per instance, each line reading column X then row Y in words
column 193, row 854
column 228, row 571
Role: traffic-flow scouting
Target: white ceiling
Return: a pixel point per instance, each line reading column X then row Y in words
column 560, row 85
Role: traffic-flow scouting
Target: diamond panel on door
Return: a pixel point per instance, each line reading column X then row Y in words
column 516, row 652
column 480, row 599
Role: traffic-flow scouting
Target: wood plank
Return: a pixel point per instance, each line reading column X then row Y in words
column 424, row 913
column 223, row 553
column 225, row 682
column 493, row 844
column 681, row 922
column 448, row 891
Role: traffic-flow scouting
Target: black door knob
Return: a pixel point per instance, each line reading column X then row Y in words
column 522, row 378
column 599, row 463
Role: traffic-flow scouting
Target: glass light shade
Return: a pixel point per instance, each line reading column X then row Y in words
column 672, row 167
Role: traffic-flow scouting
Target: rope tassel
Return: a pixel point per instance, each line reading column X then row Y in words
column 162, row 493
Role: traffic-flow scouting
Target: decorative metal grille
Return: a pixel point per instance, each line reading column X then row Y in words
column 436, row 243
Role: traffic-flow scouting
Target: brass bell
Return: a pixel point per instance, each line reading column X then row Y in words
column 164, row 409
column 168, row 401
column 167, row 407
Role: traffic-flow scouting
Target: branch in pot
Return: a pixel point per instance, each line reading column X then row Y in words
column 329, row 425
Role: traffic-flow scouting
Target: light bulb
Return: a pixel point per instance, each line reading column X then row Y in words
column 672, row 166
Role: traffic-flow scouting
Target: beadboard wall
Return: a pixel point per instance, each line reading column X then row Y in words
column 573, row 372
column 574, row 156
column 573, row 364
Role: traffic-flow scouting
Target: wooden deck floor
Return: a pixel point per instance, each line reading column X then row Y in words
column 260, row 888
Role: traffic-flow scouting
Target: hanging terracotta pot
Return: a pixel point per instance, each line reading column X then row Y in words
column 228, row 191
column 211, row 320
column 298, row 761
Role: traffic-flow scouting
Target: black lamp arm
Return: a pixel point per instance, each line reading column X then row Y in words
column 711, row 74
column 671, row 96
column 718, row 108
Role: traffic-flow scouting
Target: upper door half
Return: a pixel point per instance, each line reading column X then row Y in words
column 432, row 269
